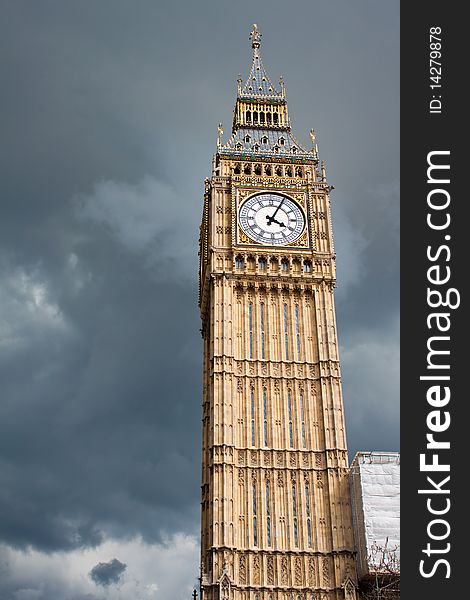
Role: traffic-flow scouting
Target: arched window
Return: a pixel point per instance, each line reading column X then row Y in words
column 268, row 118
column 256, row 149
column 239, row 146
column 252, row 418
column 307, row 510
column 262, row 337
column 239, row 262
column 268, row 171
column 257, row 167
column 302, row 418
column 268, row 514
column 237, row 169
column 307, row 266
column 282, row 141
column 297, row 330
column 255, row 117
column 247, row 139
column 278, row 170
column 247, row 169
column 294, row 150
column 275, row 118
column 289, row 410
column 248, row 116
column 255, row 529
column 265, row 416
column 264, row 140
column 289, row 171
column 286, row 343
column 250, row 324
column 298, row 172
column 285, row 265
column 261, row 117
column 294, row 507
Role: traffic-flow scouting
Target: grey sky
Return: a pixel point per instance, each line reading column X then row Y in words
column 109, row 117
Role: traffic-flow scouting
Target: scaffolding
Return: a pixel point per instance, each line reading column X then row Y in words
column 374, row 480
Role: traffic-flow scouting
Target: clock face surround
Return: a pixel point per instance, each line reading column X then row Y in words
column 271, row 218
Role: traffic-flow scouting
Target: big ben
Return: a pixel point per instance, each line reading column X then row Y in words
column 276, row 518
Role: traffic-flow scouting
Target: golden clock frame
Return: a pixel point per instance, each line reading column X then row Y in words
column 241, row 194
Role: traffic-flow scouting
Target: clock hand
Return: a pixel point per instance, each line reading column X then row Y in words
column 271, row 219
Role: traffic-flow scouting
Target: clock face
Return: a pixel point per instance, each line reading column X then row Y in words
column 272, row 219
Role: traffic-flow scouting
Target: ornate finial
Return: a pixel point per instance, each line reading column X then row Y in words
column 313, row 137
column 255, row 36
column 220, row 132
column 239, row 84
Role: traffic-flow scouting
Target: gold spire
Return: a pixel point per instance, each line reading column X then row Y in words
column 255, row 36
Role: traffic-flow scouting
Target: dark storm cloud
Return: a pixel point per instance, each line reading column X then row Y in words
column 109, row 115
column 107, row 573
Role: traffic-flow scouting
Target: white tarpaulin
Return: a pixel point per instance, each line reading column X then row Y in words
column 375, row 498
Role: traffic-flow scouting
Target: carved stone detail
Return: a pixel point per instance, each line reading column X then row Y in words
column 284, row 572
column 243, row 238
column 298, row 571
column 256, row 569
column 302, row 242
column 311, row 571
column 325, row 571
column 242, row 569
column 270, row 571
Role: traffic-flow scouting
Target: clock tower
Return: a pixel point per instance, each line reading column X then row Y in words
column 276, row 516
